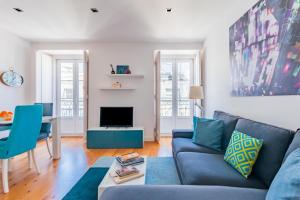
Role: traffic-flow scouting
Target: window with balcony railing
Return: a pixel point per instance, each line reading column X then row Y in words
column 182, row 82
column 177, row 74
column 66, row 89
column 71, row 89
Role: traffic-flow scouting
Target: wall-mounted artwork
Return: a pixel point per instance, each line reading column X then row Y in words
column 265, row 50
column 123, row 69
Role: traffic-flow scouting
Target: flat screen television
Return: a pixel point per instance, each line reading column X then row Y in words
column 116, row 116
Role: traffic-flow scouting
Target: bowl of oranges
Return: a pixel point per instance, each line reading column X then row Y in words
column 6, row 116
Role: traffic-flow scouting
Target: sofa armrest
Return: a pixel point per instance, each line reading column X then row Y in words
column 182, row 133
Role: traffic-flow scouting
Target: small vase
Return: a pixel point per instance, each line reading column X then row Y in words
column 112, row 70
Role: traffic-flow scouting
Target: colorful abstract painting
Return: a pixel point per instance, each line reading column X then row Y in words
column 265, row 50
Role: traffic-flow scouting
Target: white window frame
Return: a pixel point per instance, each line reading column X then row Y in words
column 176, row 57
column 75, row 87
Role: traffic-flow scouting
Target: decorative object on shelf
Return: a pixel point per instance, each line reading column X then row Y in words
column 123, row 69
column 117, row 85
column 122, row 88
column 126, row 75
column 128, row 71
column 11, row 78
column 6, row 116
column 112, row 69
column 265, row 50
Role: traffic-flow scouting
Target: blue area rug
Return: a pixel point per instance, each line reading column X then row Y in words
column 87, row 187
column 160, row 171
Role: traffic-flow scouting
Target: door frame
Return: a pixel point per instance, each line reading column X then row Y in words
column 174, row 58
column 75, row 85
column 76, row 60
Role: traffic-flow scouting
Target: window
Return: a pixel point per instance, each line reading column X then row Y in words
column 80, row 89
column 176, row 102
column 166, row 89
column 66, row 89
column 176, row 77
column 71, row 73
column 183, row 86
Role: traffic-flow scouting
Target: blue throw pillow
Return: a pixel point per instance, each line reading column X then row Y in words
column 286, row 184
column 208, row 133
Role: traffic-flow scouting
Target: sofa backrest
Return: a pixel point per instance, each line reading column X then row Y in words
column 276, row 141
column 294, row 145
column 229, row 123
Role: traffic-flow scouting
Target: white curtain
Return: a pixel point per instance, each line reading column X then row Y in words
column 86, row 91
column 157, row 55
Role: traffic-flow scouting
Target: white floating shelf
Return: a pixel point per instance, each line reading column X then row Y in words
column 122, row 88
column 126, row 75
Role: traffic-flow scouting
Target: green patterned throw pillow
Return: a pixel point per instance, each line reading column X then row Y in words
column 242, row 152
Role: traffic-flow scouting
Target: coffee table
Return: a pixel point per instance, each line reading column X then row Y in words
column 109, row 182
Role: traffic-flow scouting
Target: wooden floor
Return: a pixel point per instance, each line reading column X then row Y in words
column 57, row 177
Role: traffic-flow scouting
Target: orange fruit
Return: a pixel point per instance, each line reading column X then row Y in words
column 3, row 114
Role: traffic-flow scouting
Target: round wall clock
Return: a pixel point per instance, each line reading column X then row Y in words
column 11, row 78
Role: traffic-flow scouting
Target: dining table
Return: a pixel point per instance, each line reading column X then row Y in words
column 55, row 134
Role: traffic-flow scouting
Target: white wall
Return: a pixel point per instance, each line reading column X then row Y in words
column 278, row 110
column 15, row 52
column 140, row 58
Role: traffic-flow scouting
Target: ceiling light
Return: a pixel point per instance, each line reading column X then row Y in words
column 169, row 10
column 94, row 10
column 18, row 9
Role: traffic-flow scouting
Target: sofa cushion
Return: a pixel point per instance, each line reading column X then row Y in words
column 186, row 145
column 294, row 145
column 181, row 192
column 286, row 184
column 229, row 126
column 242, row 152
column 211, row 169
column 208, row 133
column 276, row 142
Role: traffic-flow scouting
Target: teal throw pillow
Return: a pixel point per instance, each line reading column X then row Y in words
column 208, row 133
column 195, row 121
column 286, row 184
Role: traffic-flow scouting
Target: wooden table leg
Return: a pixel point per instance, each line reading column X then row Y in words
column 56, row 139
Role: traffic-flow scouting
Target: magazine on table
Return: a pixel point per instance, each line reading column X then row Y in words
column 136, row 161
column 125, row 174
column 130, row 159
column 125, row 171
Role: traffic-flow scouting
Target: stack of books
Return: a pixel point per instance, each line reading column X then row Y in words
column 125, row 174
column 126, row 171
column 130, row 159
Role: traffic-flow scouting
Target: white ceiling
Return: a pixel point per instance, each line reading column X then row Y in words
column 117, row 20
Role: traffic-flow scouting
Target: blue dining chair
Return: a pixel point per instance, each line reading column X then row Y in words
column 22, row 138
column 46, row 127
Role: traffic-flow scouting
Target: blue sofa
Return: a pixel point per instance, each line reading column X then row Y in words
column 205, row 175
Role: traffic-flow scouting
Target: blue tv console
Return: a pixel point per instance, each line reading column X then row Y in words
column 115, row 138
